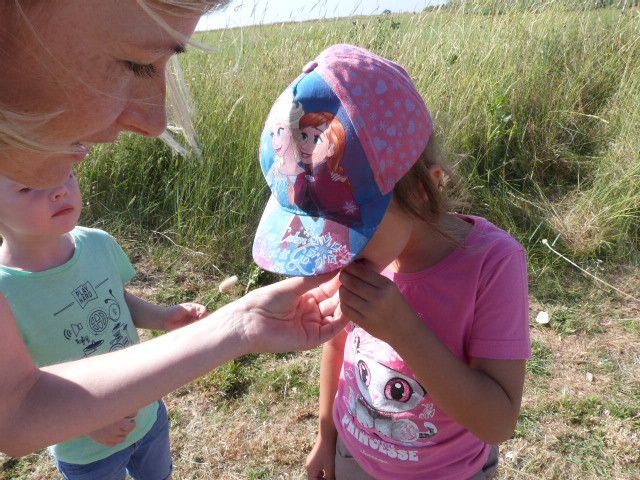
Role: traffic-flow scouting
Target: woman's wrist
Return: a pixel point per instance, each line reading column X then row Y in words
column 233, row 318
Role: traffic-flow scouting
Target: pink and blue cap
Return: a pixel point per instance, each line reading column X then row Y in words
column 335, row 144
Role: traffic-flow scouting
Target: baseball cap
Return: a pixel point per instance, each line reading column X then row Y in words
column 334, row 145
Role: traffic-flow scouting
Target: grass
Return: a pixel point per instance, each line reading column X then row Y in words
column 537, row 109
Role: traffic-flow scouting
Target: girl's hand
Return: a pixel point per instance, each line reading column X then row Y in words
column 116, row 433
column 321, row 460
column 294, row 314
column 374, row 302
column 183, row 314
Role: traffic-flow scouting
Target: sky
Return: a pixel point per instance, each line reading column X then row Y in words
column 251, row 12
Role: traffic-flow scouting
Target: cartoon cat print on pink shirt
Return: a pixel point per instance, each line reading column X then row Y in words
column 384, row 395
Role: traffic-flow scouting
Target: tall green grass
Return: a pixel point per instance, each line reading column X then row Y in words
column 539, row 111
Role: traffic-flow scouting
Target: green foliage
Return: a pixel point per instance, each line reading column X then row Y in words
column 540, row 363
column 537, row 108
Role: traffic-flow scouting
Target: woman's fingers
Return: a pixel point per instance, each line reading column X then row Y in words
column 328, row 307
column 319, row 286
column 331, row 328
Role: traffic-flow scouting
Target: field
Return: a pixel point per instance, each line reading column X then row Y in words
column 539, row 113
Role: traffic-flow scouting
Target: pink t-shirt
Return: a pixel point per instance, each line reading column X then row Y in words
column 476, row 302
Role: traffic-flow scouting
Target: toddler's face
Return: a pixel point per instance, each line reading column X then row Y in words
column 33, row 212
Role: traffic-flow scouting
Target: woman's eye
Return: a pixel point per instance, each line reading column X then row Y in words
column 304, row 136
column 317, row 140
column 280, row 130
column 142, row 69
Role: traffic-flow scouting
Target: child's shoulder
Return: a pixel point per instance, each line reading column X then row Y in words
column 491, row 239
column 87, row 234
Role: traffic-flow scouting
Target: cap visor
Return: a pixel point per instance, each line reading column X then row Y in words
column 295, row 244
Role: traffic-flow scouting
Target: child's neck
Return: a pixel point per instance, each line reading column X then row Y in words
column 36, row 253
column 428, row 247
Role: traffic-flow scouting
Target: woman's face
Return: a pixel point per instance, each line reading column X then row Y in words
column 97, row 65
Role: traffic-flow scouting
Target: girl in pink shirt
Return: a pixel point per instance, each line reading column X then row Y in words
column 427, row 378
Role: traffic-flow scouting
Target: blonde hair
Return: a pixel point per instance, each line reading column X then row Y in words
column 416, row 193
column 16, row 128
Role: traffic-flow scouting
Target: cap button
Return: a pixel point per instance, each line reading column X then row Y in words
column 310, row 67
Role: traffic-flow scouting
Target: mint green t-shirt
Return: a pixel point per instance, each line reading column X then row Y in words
column 77, row 310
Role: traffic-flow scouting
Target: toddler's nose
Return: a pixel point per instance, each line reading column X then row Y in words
column 58, row 193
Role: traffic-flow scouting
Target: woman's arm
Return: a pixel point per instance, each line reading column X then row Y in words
column 484, row 395
column 40, row 407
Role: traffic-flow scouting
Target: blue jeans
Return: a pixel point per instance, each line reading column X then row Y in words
column 148, row 459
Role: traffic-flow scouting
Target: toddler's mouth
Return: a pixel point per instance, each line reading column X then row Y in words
column 63, row 211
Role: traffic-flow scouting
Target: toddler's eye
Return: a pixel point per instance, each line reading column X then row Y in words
column 142, row 69
column 24, row 190
column 398, row 389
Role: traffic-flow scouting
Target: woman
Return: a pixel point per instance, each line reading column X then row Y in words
column 77, row 73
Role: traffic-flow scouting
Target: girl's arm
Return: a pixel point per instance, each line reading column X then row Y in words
column 43, row 406
column 321, row 459
column 332, row 356
column 484, row 396
column 155, row 317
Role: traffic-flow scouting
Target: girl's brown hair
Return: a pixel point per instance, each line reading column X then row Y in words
column 416, row 193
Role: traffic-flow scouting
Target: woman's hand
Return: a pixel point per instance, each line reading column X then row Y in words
column 321, row 461
column 116, row 433
column 374, row 302
column 294, row 314
column 183, row 314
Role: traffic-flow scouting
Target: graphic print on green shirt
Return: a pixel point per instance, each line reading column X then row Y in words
column 77, row 310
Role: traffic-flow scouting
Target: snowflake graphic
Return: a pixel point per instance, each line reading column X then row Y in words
column 323, row 249
column 350, row 207
column 344, row 256
column 296, row 239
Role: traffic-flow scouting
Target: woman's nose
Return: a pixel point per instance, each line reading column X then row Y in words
column 146, row 116
column 148, row 119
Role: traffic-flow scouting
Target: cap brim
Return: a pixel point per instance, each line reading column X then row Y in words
column 292, row 243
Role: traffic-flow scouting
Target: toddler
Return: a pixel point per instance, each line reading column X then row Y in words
column 66, row 287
